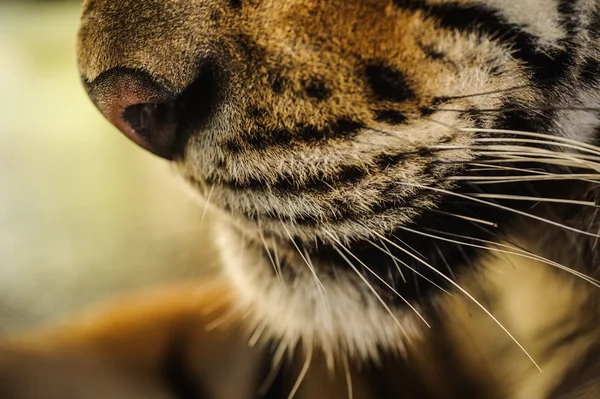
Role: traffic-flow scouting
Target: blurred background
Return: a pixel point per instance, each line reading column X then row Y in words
column 85, row 215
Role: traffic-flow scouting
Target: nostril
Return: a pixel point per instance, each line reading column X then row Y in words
column 150, row 114
column 139, row 107
column 156, row 123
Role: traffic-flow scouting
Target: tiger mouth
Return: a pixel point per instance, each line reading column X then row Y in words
column 318, row 206
column 392, row 241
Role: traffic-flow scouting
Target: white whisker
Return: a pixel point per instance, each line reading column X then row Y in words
column 274, row 371
column 301, row 375
column 506, row 208
column 395, row 262
column 441, row 255
column 258, row 332
column 533, row 199
column 532, row 141
column 275, row 269
column 277, row 260
column 489, row 167
column 348, row 376
column 409, row 267
column 503, row 150
column 573, row 176
column 206, row 206
column 383, row 282
column 468, row 218
column 534, row 134
column 364, row 280
column 310, row 266
column 501, row 158
column 465, row 292
column 500, row 150
column 521, row 252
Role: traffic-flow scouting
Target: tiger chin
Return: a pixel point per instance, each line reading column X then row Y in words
column 406, row 191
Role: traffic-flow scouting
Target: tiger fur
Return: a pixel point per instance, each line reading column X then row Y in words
column 407, row 194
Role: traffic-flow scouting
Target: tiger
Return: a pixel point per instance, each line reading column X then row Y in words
column 405, row 195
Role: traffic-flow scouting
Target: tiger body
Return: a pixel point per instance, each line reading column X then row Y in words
column 406, row 193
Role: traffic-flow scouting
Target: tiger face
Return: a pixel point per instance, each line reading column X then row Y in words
column 363, row 152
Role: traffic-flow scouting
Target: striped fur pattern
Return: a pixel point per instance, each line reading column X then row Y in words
column 406, row 187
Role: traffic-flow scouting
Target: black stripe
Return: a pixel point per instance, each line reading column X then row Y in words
column 589, row 73
column 343, row 212
column 390, row 116
column 546, row 65
column 317, row 89
column 389, row 202
column 411, row 5
column 261, row 138
column 569, row 16
column 594, row 25
column 387, row 83
column 348, row 175
column 236, row 4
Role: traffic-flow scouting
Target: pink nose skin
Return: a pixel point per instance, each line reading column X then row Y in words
column 138, row 107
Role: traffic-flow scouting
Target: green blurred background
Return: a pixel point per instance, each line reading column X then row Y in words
column 84, row 214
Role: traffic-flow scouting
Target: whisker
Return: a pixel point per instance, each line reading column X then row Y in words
column 579, row 160
column 554, row 139
column 487, row 167
column 535, row 152
column 277, row 260
column 206, row 206
column 558, row 176
column 275, row 269
column 512, row 181
column 310, row 267
column 533, row 141
column 409, row 267
column 486, row 93
column 441, row 255
column 382, row 281
column 533, row 199
column 522, row 253
column 301, row 375
column 468, row 218
column 517, row 150
column 274, row 371
column 544, row 161
column 509, row 110
column 465, row 292
column 506, row 158
column 409, row 247
column 506, row 208
column 258, row 332
column 348, row 376
column 533, row 134
column 369, row 286
column 395, row 262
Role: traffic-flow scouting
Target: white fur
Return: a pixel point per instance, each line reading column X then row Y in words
column 345, row 317
column 535, row 17
column 580, row 125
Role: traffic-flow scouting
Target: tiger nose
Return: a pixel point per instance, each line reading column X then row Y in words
column 140, row 107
